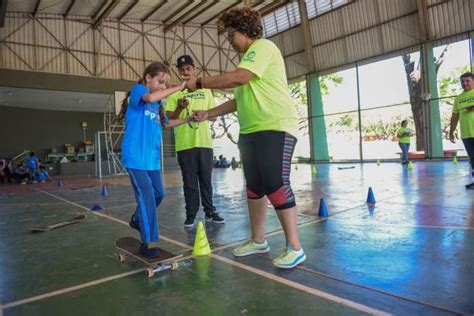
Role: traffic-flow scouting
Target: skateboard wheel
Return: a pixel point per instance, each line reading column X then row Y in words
column 174, row 265
column 121, row 257
column 150, row 272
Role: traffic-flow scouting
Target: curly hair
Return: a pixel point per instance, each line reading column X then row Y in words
column 245, row 21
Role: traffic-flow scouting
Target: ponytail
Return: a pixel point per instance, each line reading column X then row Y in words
column 123, row 108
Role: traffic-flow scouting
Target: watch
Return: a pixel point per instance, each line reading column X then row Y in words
column 199, row 83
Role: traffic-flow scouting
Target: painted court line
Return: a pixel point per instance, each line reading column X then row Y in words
column 267, row 275
column 71, row 289
column 350, row 222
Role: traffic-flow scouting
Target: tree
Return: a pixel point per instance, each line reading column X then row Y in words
column 413, row 77
column 298, row 92
column 227, row 125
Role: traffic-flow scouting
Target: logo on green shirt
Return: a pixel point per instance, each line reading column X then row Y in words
column 195, row 95
column 250, row 56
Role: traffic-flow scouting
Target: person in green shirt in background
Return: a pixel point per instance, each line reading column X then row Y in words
column 404, row 135
column 268, row 126
column 194, row 145
column 463, row 112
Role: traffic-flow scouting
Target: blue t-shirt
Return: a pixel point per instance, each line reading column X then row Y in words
column 32, row 162
column 42, row 175
column 141, row 146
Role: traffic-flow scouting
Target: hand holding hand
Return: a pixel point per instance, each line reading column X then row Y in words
column 200, row 115
column 183, row 103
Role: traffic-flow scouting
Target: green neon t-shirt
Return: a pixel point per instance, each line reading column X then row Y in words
column 187, row 137
column 466, row 117
column 404, row 135
column 264, row 103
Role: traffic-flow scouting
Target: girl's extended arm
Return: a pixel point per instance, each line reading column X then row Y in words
column 161, row 94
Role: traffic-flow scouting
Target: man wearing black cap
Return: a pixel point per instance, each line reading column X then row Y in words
column 193, row 145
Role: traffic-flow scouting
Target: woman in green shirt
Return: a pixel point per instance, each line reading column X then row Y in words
column 404, row 135
column 268, row 125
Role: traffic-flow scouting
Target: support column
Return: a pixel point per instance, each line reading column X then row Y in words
column 317, row 125
column 471, row 45
column 433, row 136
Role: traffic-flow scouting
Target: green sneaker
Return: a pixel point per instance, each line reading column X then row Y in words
column 250, row 247
column 289, row 258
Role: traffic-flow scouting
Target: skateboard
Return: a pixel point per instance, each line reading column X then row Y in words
column 129, row 246
column 74, row 220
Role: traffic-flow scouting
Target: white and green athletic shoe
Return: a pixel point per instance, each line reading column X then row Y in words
column 250, row 247
column 289, row 258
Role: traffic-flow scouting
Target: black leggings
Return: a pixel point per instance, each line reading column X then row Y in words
column 266, row 158
column 469, row 144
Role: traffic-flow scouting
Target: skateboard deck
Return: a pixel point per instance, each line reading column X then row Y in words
column 131, row 246
column 74, row 220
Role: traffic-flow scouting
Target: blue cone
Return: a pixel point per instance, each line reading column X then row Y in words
column 60, row 183
column 97, row 207
column 104, row 191
column 370, row 197
column 323, row 210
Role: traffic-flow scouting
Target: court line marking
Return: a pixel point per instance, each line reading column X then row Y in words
column 71, row 289
column 267, row 275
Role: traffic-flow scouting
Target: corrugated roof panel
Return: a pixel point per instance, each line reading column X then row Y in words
column 18, row 29
column 362, row 45
column 326, row 27
column 52, row 6
column 79, row 36
column 296, row 65
column 49, row 32
column 390, row 9
column 450, row 18
column 131, row 42
column 359, row 15
column 21, row 6
column 329, row 55
column 400, row 33
column 76, row 68
column 154, row 42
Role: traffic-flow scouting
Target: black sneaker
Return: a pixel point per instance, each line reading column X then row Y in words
column 470, row 186
column 189, row 222
column 215, row 218
column 152, row 253
column 134, row 224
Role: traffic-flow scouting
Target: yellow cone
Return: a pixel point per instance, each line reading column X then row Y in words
column 378, row 162
column 455, row 159
column 314, row 170
column 410, row 165
column 201, row 245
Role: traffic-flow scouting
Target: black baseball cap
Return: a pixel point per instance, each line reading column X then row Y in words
column 184, row 60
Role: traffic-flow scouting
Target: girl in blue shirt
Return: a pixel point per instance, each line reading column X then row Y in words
column 141, row 149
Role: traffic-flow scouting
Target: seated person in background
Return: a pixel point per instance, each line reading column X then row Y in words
column 19, row 174
column 8, row 169
column 42, row 175
column 3, row 177
column 233, row 163
column 32, row 165
column 214, row 161
column 225, row 163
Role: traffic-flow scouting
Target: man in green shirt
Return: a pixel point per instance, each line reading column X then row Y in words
column 404, row 135
column 463, row 112
column 194, row 145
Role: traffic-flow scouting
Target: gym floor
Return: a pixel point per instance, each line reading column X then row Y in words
column 412, row 253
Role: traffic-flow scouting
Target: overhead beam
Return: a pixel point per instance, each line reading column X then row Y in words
column 220, row 12
column 308, row 45
column 38, row 2
column 209, row 5
column 130, row 7
column 423, row 20
column 182, row 17
column 3, row 11
column 104, row 14
column 154, row 10
column 177, row 11
column 99, row 9
column 69, row 8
